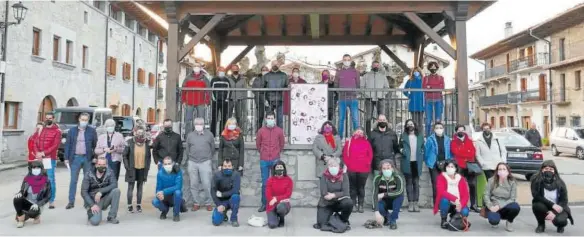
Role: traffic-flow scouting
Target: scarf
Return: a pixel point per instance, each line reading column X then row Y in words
column 550, row 181
column 231, row 135
column 488, row 139
column 330, row 139
column 334, row 178
column 37, row 183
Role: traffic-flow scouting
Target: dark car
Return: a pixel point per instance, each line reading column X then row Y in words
column 124, row 125
column 522, row 157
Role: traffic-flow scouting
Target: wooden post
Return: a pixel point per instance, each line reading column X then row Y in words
column 396, row 59
column 461, row 72
column 172, row 72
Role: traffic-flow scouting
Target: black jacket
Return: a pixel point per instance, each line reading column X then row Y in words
column 233, row 150
column 167, row 144
column 221, row 82
column 91, row 185
column 533, row 137
column 227, row 185
column 275, row 80
column 259, row 96
column 42, row 198
column 129, row 161
column 384, row 144
column 537, row 192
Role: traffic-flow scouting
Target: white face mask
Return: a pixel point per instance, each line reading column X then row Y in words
column 295, row 74
column 264, row 72
column 439, row 131
column 347, row 63
column 167, row 168
column 36, row 171
column 199, row 128
column 110, row 129
column 450, row 170
column 197, row 70
column 221, row 74
column 231, row 126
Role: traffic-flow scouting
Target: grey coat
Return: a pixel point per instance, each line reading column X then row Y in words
column 375, row 80
column 340, row 189
column 502, row 195
column 320, row 147
column 238, row 83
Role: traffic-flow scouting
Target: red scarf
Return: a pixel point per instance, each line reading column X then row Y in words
column 231, row 135
column 334, row 178
column 37, row 183
column 330, row 139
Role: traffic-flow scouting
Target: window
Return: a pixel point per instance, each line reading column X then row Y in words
column 85, row 56
column 141, row 30
column 561, row 121
column 69, row 52
column 509, row 87
column 115, row 13
column 577, row 75
column 111, row 66
column 151, row 37
column 126, row 110
column 11, row 114
column 492, row 91
column 491, row 64
column 575, row 121
column 562, row 49
column 127, row 71
column 111, row 32
column 36, row 41
column 141, row 75
column 56, row 42
column 85, row 17
column 151, row 80
column 129, row 22
column 99, row 5
column 160, row 46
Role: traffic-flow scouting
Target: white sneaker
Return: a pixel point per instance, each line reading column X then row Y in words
column 509, row 226
column 494, row 226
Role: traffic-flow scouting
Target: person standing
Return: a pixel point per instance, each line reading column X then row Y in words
column 45, row 146
column 279, row 189
column 490, row 151
column 238, row 98
column 348, row 78
column 220, row 104
column 260, row 97
column 294, row 79
column 168, row 189
column 436, row 153
column 270, row 143
column 415, row 98
column 225, row 190
column 137, row 159
column 533, row 136
column 357, row 155
column 412, row 143
column 100, row 191
column 32, row 139
column 232, row 146
column 200, row 151
column 111, row 145
column 384, row 143
column 79, row 147
column 374, row 79
column 434, row 105
column 167, row 143
column 195, row 101
column 278, row 80
column 327, row 144
column 464, row 152
column 34, row 193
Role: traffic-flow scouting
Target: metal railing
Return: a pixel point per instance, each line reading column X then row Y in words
column 528, row 61
column 501, row 99
column 572, row 49
column 561, row 95
column 513, row 98
column 496, row 71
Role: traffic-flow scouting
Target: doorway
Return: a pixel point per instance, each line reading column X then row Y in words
column 526, row 122
column 493, row 122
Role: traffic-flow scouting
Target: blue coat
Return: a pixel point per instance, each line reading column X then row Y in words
column 416, row 103
column 432, row 150
column 405, row 144
column 168, row 183
column 90, row 143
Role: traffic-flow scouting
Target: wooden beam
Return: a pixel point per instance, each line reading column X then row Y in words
column 241, row 24
column 240, row 56
column 171, row 12
column 396, row 59
column 315, row 26
column 173, row 71
column 393, row 24
column 326, row 25
column 305, row 22
column 262, row 26
column 323, row 40
column 461, row 73
column 283, row 25
column 242, row 28
column 412, row 16
column 204, row 31
column 347, row 24
column 369, row 25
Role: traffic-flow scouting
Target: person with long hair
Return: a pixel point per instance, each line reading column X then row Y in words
column 412, row 144
column 451, row 193
column 34, row 193
column 358, row 155
column 415, row 98
column 550, row 198
column 490, row 151
column 31, row 142
column 501, row 198
column 278, row 191
column 334, row 195
column 231, row 145
column 437, row 151
column 327, row 144
column 388, row 191
column 137, row 158
column 111, row 145
column 463, row 151
column 333, row 96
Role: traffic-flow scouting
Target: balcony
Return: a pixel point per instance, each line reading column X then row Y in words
column 495, row 100
column 496, row 71
column 561, row 96
column 534, row 95
column 530, row 61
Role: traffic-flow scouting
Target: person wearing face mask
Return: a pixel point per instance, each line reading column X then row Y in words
column 270, row 143
column 388, row 192
column 333, row 96
column 226, row 194
column 111, row 145
column 260, row 97
column 238, row 98
column 413, row 150
column 415, row 98
column 490, row 151
column 137, row 159
column 194, row 99
column 434, row 105
column 79, row 152
column 374, row 79
column 45, row 146
column 327, row 144
column 232, row 146
column 167, row 143
column 451, row 194
column 358, row 155
column 279, row 189
column 34, row 193
column 550, row 198
column 436, row 153
column 220, row 103
column 334, row 196
column 293, row 79
column 32, row 139
column 200, row 151
column 276, row 79
column 348, row 78
column 169, row 189
column 385, row 146
column 501, row 198
column 100, row 191
column 463, row 151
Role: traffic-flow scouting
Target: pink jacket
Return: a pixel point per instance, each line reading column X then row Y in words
column 357, row 155
column 117, row 141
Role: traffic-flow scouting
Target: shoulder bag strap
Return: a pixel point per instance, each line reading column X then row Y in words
column 499, row 146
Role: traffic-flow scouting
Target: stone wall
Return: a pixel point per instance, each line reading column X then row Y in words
column 301, row 167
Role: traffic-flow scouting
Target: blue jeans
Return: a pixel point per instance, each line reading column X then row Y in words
column 434, row 111
column 173, row 200
column 78, row 162
column 265, row 169
column 448, row 208
column 277, row 107
column 232, row 204
column 353, row 109
column 508, row 212
column 386, row 204
column 51, row 174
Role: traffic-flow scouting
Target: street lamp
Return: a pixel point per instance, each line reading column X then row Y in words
column 19, row 12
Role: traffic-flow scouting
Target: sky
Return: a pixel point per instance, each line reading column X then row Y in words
column 484, row 29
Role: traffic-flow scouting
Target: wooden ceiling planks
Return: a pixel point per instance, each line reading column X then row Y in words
column 294, row 25
column 337, row 24
column 359, row 24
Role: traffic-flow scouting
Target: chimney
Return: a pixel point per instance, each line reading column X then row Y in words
column 508, row 29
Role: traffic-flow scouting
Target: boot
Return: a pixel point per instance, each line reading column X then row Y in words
column 355, row 208
column 20, row 221
column 443, row 223
column 360, row 208
column 411, row 207
column 416, row 207
column 281, row 223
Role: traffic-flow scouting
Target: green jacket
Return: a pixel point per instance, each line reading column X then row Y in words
column 396, row 179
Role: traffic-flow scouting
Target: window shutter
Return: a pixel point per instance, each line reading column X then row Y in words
column 108, row 65
column 114, row 69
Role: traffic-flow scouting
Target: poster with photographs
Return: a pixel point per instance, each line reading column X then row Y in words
column 308, row 111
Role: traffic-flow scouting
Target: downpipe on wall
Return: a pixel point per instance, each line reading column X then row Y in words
column 134, row 74
column 105, row 77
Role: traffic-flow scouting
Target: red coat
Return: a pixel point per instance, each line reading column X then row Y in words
column 463, row 151
column 433, row 81
column 48, row 141
column 195, row 98
column 31, row 140
column 358, row 155
column 442, row 191
column 279, row 187
column 287, row 95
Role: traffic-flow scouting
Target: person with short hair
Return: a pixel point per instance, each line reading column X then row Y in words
column 388, row 191
column 374, row 79
column 111, row 145
column 490, row 151
column 348, row 78
column 533, row 136
column 79, row 152
column 436, row 152
column 100, row 191
column 34, row 193
column 200, row 152
column 137, row 159
column 169, row 189
column 451, row 193
column 270, row 143
column 45, row 146
column 333, row 96
column 167, row 143
column 260, row 97
column 501, row 197
column 279, row 189
column 220, row 106
column 195, row 101
column 384, row 143
column 225, row 191
column 334, row 195
column 434, row 105
column 294, row 78
column 276, row 79
column 238, row 98
column 550, row 198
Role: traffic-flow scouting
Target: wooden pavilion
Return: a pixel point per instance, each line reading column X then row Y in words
column 219, row 24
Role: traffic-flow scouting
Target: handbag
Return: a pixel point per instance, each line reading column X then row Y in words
column 474, row 167
column 483, row 212
column 458, row 223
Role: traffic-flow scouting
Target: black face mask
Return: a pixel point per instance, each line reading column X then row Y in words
column 48, row 122
column 167, row 129
column 410, row 128
column 548, row 176
column 278, row 172
column 460, row 134
column 487, row 133
column 382, row 125
column 433, row 71
column 375, row 69
column 275, row 68
column 235, row 73
column 101, row 169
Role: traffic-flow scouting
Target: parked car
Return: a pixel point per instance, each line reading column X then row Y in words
column 568, row 140
column 518, row 130
column 124, row 125
column 522, row 156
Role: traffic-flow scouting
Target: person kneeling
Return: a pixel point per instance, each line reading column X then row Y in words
column 501, row 197
column 335, row 202
column 278, row 191
column 34, row 193
column 225, row 193
column 550, row 198
column 100, row 191
column 389, row 188
column 168, row 189
column 451, row 194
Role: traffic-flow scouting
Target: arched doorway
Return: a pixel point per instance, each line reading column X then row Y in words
column 126, row 110
column 114, row 109
column 158, row 116
column 150, row 116
column 72, row 102
column 48, row 104
column 139, row 112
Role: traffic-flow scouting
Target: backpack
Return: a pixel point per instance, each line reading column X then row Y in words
column 335, row 225
column 458, row 223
